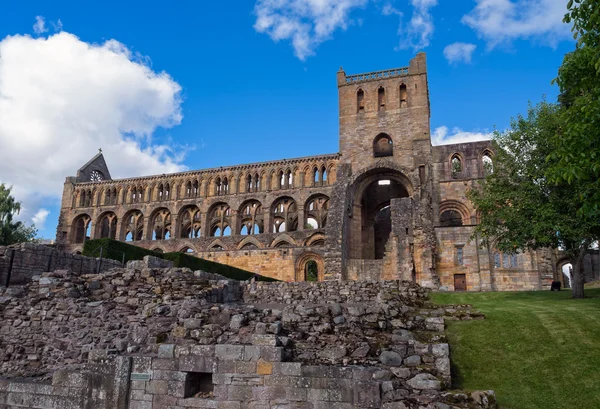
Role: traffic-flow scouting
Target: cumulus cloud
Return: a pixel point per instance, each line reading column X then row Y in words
column 306, row 23
column 444, row 136
column 418, row 31
column 502, row 21
column 39, row 219
column 40, row 25
column 459, row 52
column 61, row 99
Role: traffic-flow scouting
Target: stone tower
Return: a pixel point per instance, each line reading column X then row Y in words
column 386, row 155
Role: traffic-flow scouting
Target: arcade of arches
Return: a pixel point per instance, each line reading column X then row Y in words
column 389, row 205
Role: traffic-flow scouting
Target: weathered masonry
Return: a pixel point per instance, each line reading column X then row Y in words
column 389, row 205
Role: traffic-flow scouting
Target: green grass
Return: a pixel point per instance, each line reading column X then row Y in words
column 538, row 350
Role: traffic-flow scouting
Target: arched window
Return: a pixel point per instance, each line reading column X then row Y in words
column 219, row 218
column 381, row 99
column 284, row 215
column 107, row 199
column 108, row 226
column 113, row 197
column 281, row 180
column 188, row 189
column 161, row 225
column 316, row 210
column 217, row 186
column 360, row 101
column 160, row 192
column 190, row 223
column 249, row 183
column 315, row 176
column 324, row 173
column 289, row 179
column 487, row 164
column 403, row 96
column 225, row 187
column 383, row 146
column 257, row 182
column 251, row 218
column 456, row 166
column 195, row 188
column 134, row 225
column 451, row 218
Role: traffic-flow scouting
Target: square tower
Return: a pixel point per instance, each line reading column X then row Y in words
column 385, row 115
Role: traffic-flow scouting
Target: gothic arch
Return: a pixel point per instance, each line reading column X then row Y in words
column 106, row 226
column 283, row 239
column 133, row 223
column 80, row 227
column 216, row 244
column 317, row 239
column 249, row 240
column 284, row 215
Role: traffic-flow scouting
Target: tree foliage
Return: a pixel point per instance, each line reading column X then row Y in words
column 12, row 231
column 521, row 208
column 576, row 159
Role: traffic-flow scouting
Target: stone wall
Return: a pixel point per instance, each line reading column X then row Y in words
column 33, row 259
column 347, row 292
column 167, row 338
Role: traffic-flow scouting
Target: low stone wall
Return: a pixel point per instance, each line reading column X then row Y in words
column 33, row 259
column 96, row 386
column 512, row 280
column 333, row 292
column 61, row 318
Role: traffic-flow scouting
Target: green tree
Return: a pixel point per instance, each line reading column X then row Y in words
column 12, row 231
column 576, row 159
column 521, row 208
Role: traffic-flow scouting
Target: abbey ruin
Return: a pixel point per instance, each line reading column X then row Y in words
column 388, row 205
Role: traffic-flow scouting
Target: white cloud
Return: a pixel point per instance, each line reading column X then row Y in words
column 39, row 219
column 444, row 136
column 40, row 25
column 459, row 52
column 417, row 33
column 307, row 23
column 61, row 99
column 501, row 21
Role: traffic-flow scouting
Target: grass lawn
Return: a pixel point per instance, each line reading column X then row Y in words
column 538, row 350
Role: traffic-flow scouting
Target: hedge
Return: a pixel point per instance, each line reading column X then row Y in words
column 115, row 250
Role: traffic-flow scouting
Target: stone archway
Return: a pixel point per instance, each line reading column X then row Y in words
column 305, row 265
column 371, row 223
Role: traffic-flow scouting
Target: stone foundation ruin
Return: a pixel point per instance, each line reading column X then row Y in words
column 152, row 338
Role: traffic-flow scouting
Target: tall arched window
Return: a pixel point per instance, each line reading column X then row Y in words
column 289, row 179
column 217, row 186
column 324, row 174
column 383, row 146
column 225, row 187
column 281, row 180
column 315, row 176
column 381, row 99
column 403, row 96
column 456, row 166
column 360, row 101
column 249, row 183
column 257, row 182
column 487, row 164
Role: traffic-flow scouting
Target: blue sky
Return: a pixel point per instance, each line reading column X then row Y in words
column 163, row 87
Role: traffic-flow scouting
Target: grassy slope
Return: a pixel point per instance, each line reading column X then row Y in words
column 535, row 349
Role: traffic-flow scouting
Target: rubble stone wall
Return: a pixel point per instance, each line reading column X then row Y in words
column 168, row 338
column 33, row 259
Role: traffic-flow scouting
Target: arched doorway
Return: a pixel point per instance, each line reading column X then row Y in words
column 371, row 218
column 311, row 271
column 310, row 267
